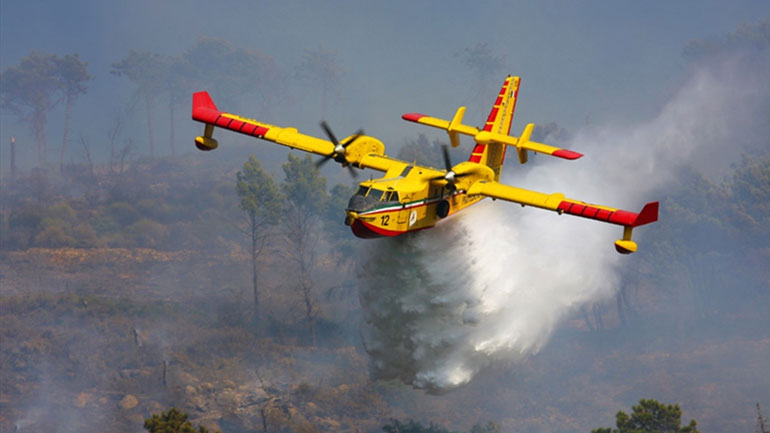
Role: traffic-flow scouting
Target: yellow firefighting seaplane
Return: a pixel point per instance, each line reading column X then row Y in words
column 411, row 197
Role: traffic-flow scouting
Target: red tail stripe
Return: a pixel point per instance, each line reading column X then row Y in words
column 493, row 114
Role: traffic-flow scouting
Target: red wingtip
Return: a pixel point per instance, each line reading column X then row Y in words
column 567, row 154
column 413, row 117
column 649, row 214
column 203, row 100
column 203, row 108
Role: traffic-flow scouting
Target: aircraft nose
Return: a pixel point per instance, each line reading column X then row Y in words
column 357, row 203
column 350, row 216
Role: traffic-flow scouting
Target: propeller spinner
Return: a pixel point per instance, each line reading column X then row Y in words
column 450, row 176
column 338, row 154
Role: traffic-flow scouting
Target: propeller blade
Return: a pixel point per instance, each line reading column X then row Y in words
column 353, row 138
column 338, row 154
column 322, row 161
column 329, row 133
column 447, row 162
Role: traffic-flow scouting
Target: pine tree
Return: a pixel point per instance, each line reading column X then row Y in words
column 173, row 421
column 650, row 416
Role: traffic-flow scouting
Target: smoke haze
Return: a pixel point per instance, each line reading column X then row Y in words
column 492, row 283
column 483, row 305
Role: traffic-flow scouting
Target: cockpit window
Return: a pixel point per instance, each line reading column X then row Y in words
column 391, row 196
column 377, row 194
column 362, row 190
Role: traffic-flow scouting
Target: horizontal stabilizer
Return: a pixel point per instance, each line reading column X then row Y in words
column 522, row 144
column 454, row 127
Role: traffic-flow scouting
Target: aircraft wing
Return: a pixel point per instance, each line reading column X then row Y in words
column 558, row 203
column 363, row 151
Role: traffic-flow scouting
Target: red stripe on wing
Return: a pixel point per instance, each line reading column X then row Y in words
column 619, row 217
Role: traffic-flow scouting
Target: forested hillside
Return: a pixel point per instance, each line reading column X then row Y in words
column 137, row 275
column 124, row 294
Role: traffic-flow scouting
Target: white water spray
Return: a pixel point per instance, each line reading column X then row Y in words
column 493, row 282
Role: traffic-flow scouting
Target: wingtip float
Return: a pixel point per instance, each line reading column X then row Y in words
column 411, row 197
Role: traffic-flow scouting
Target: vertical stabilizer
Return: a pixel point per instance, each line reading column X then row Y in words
column 499, row 122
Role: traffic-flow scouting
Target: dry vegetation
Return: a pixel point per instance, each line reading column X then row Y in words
column 97, row 337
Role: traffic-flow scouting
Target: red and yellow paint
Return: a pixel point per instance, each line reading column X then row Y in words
column 411, row 197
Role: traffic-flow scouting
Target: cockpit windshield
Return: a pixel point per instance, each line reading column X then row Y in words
column 367, row 198
column 391, row 196
column 377, row 194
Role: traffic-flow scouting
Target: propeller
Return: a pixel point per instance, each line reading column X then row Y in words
column 450, row 176
column 338, row 154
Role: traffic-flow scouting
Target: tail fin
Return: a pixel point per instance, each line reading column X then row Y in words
column 499, row 121
column 203, row 108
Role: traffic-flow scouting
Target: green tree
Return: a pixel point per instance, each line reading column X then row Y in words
column 429, row 153
column 23, row 225
column 173, row 421
column 343, row 244
column 28, row 91
column 148, row 71
column 305, row 191
column 762, row 425
column 72, row 74
column 232, row 74
column 179, row 84
column 650, row 416
column 261, row 200
column 411, row 426
column 334, row 218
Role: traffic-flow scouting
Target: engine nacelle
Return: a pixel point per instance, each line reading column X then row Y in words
column 206, row 143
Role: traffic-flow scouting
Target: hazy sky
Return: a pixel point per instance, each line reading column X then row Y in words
column 614, row 61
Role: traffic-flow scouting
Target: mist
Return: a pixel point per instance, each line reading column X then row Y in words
column 479, row 314
column 607, row 63
column 491, row 284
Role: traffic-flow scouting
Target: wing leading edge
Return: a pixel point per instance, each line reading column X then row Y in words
column 557, row 202
column 365, row 152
